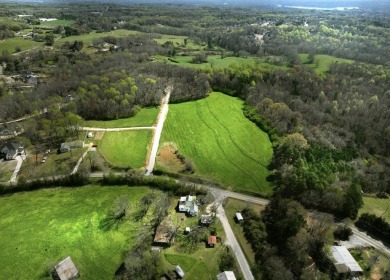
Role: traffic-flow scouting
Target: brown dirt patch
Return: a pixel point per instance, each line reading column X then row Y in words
column 168, row 159
column 99, row 135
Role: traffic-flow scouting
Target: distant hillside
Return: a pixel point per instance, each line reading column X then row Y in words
column 362, row 4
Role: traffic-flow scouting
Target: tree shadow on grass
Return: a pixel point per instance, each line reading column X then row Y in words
column 111, row 221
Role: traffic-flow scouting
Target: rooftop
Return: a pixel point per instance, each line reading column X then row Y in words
column 342, row 256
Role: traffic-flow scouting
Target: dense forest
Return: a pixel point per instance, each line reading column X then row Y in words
column 330, row 129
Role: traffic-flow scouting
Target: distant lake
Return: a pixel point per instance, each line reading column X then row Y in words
column 321, row 8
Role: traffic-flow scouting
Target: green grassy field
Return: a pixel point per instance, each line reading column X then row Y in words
column 126, row 149
column 145, row 117
column 40, row 228
column 232, row 207
column 88, row 38
column 322, row 62
column 221, row 142
column 215, row 61
column 177, row 41
column 54, row 23
column 23, row 44
column 377, row 206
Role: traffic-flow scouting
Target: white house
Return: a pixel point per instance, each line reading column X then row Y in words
column 188, row 204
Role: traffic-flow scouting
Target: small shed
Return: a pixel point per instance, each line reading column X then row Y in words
column 226, row 275
column 89, row 134
column 212, row 240
column 206, row 220
column 66, row 270
column 179, row 271
column 187, row 230
column 239, row 217
column 64, row 148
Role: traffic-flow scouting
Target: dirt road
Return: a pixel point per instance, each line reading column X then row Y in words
column 157, row 132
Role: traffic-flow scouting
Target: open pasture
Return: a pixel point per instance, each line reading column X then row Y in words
column 377, row 206
column 223, row 145
column 40, row 228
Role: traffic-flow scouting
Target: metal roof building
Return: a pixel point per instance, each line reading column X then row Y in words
column 66, row 270
column 226, row 275
column 343, row 259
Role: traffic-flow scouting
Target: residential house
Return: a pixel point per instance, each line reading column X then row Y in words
column 9, row 150
column 6, row 132
column 344, row 262
column 66, row 146
column 66, row 270
column 188, row 205
column 226, row 275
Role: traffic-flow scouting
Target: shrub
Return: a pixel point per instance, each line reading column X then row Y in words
column 342, row 232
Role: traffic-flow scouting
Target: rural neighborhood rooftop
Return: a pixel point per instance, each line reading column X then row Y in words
column 341, row 255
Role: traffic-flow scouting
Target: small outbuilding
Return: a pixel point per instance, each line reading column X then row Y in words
column 206, row 220
column 66, row 270
column 226, row 275
column 187, row 230
column 212, row 241
column 239, row 217
column 179, row 271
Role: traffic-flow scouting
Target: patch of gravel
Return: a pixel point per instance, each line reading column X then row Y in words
column 354, row 242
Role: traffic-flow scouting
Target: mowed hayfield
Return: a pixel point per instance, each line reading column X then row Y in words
column 40, row 228
column 145, row 117
column 126, row 149
column 377, row 206
column 225, row 146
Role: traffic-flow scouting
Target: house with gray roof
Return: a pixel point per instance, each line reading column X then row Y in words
column 9, row 150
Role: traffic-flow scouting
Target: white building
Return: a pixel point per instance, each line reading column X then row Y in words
column 344, row 261
column 226, row 275
column 188, row 204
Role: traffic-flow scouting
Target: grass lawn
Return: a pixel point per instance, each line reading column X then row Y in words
column 232, row 207
column 23, row 44
column 221, row 142
column 177, row 41
column 145, row 117
column 7, row 167
column 55, row 23
column 376, row 206
column 40, row 228
column 88, row 38
column 126, row 149
column 322, row 62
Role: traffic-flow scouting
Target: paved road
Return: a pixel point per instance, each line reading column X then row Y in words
column 233, row 243
column 157, row 132
column 118, row 129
